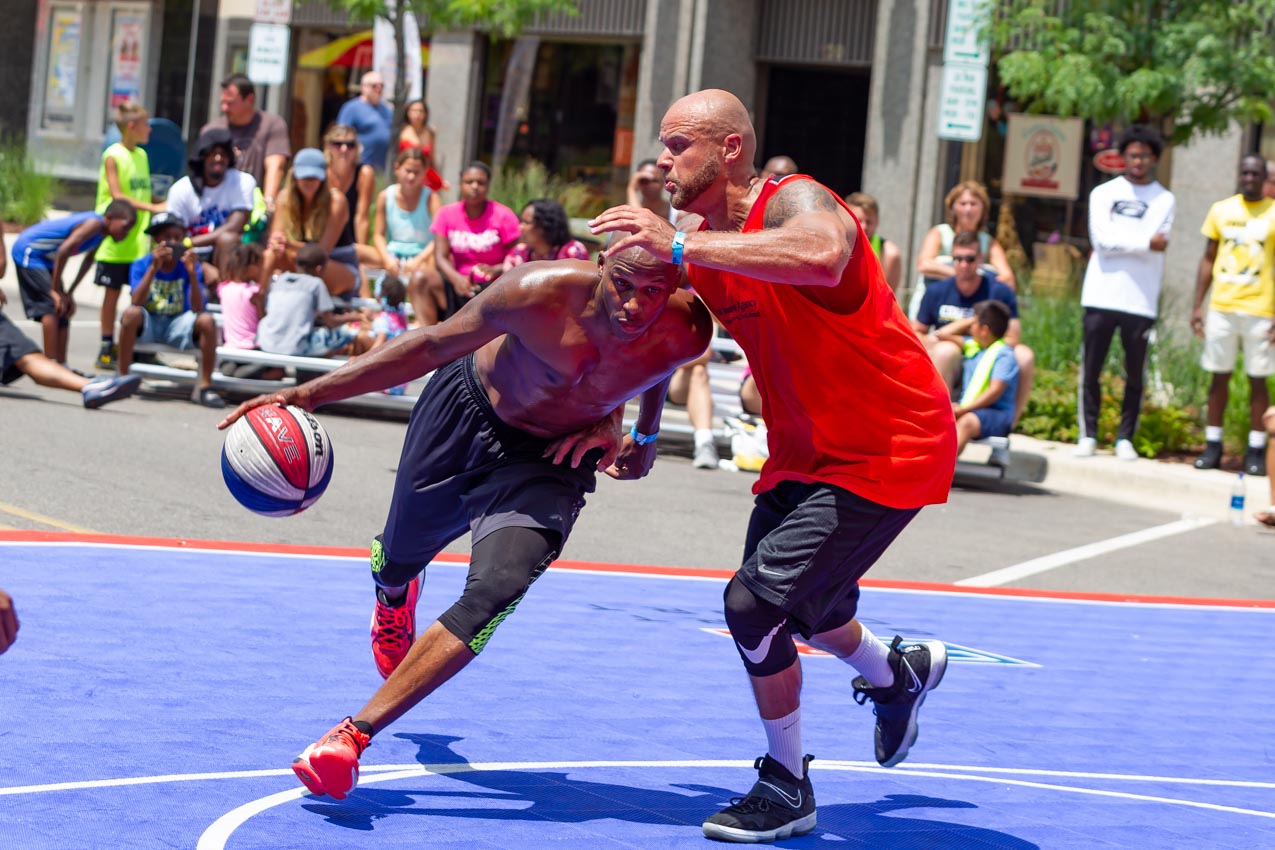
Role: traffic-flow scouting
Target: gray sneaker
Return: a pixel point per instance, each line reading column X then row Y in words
column 705, row 457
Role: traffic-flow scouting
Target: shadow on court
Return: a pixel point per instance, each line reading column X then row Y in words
column 540, row 796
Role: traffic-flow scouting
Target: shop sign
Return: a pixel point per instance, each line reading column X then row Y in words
column 273, row 12
column 1109, row 161
column 1042, row 156
column 966, row 38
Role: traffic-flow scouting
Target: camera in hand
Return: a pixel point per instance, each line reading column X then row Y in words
column 177, row 248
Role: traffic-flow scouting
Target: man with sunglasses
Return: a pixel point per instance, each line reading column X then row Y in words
column 949, row 304
column 370, row 117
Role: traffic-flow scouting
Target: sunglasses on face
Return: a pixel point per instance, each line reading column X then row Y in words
column 970, row 259
column 342, row 145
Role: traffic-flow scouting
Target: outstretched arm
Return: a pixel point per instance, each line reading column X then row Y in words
column 804, row 242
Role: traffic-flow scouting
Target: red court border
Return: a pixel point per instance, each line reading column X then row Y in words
column 595, row 566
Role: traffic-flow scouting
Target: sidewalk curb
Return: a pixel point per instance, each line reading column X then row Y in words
column 1174, row 487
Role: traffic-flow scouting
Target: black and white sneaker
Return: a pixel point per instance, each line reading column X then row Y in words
column 918, row 669
column 779, row 806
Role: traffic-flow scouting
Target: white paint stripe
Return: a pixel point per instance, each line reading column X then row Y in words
column 996, row 578
column 219, row 832
column 927, row 591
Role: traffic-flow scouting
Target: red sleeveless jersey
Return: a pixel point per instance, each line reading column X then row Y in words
column 849, row 394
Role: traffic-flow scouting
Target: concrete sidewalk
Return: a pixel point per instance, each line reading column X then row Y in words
column 1174, row 487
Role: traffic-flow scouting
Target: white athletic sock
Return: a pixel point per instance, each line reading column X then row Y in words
column 703, row 437
column 783, row 740
column 1213, row 433
column 872, row 660
column 1257, row 439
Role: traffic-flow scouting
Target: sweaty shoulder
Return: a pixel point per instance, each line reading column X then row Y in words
column 687, row 324
column 549, row 284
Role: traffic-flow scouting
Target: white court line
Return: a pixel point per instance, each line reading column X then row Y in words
column 219, row 832
column 996, row 578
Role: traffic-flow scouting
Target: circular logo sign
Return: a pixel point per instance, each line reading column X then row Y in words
column 1109, row 161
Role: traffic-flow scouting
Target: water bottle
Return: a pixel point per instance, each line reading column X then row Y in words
column 1237, row 500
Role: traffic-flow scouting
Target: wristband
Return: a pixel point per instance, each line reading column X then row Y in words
column 679, row 241
column 642, row 439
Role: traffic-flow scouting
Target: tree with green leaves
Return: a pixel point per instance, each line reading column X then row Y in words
column 504, row 17
column 1189, row 67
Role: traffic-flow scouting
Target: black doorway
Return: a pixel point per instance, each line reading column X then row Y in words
column 818, row 117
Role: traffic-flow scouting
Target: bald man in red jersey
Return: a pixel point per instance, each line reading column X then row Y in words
column 860, row 430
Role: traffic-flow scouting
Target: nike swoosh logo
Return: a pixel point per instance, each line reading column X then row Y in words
column 758, row 655
column 794, row 802
column 915, row 687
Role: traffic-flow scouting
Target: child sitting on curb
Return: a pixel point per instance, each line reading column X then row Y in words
column 989, row 377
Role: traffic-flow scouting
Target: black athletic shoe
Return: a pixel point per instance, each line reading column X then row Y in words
column 779, row 806
column 1211, row 458
column 918, row 669
column 1255, row 461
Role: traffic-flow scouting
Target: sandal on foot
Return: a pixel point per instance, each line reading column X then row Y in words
column 1266, row 517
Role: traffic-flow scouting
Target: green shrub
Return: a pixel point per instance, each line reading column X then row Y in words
column 517, row 185
column 25, row 192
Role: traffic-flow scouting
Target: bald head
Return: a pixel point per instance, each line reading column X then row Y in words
column 636, row 261
column 717, row 115
column 780, row 165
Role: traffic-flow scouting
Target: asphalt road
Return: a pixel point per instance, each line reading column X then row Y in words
column 150, row 466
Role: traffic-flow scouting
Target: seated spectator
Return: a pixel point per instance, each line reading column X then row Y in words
column 301, row 318
column 40, row 255
column 545, row 235
column 392, row 320
column 951, row 302
column 341, row 150
column 749, row 395
column 240, row 308
column 1267, row 517
column 404, row 213
column 473, row 237
column 215, row 200
column 310, row 209
column 417, row 133
column 865, row 208
column 168, row 304
column 778, row 166
column 19, row 355
column 968, row 208
column 989, row 376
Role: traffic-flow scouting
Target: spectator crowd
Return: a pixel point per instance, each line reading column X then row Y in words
column 325, row 252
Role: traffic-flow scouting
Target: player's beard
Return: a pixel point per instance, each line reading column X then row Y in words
column 695, row 185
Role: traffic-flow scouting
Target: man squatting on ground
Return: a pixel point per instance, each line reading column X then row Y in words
column 861, row 434
column 527, row 401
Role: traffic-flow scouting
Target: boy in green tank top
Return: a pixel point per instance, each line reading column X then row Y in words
column 125, row 174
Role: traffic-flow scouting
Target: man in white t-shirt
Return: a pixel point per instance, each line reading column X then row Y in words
column 215, row 199
column 1129, row 222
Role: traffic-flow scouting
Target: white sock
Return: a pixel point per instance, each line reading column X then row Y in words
column 783, row 740
column 703, row 437
column 1213, row 433
column 872, row 660
column 1257, row 439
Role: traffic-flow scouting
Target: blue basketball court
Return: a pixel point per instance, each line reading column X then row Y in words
column 159, row 690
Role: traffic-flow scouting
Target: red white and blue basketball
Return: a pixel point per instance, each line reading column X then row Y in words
column 277, row 461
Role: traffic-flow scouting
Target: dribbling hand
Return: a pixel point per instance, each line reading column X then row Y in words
column 299, row 395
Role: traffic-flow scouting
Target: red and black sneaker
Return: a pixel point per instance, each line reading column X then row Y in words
column 394, row 629
column 331, row 764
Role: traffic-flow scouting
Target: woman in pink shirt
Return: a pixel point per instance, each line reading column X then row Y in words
column 472, row 237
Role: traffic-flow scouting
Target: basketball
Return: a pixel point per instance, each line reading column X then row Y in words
column 277, row 461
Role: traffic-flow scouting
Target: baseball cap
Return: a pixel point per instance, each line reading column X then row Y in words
column 161, row 220
column 309, row 162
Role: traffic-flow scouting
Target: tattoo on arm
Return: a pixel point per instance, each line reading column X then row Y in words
column 800, row 196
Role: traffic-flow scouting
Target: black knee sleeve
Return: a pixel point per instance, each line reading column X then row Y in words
column 760, row 630
column 387, row 573
column 501, row 568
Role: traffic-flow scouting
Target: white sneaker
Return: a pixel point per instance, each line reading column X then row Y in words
column 1125, row 450
column 705, row 457
column 1086, row 447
